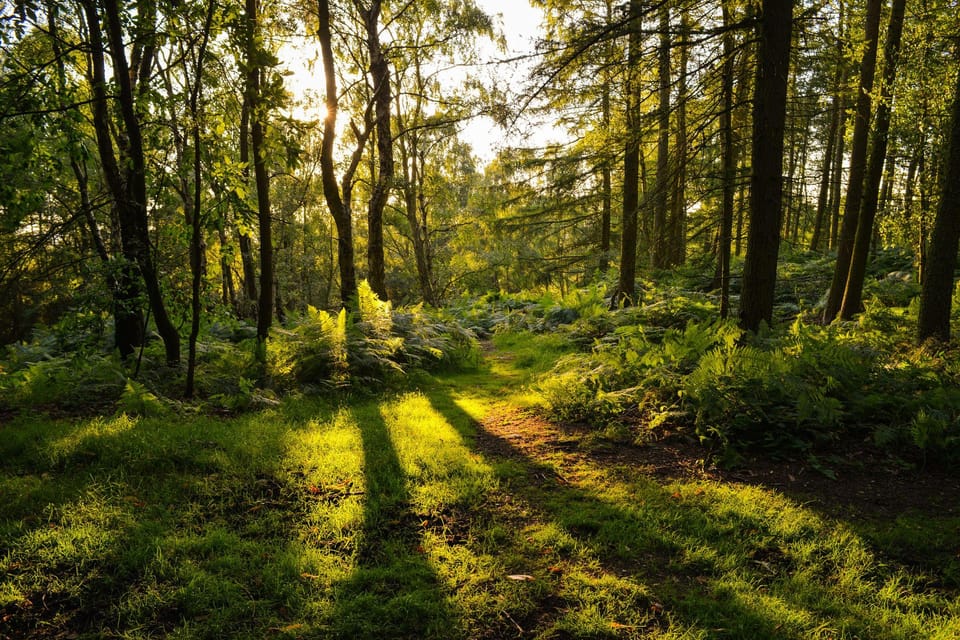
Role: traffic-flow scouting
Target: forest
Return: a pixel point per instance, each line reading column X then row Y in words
column 288, row 350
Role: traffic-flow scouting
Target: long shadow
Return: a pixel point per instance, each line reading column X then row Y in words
column 393, row 592
column 651, row 545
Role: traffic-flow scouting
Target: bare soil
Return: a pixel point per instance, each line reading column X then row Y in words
column 866, row 482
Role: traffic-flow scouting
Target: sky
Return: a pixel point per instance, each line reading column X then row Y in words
column 520, row 24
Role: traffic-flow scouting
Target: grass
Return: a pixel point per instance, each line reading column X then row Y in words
column 390, row 518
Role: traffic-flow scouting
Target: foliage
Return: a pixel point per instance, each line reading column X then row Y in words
column 798, row 391
column 370, row 346
column 387, row 517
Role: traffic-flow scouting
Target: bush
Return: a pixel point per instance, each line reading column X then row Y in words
column 372, row 346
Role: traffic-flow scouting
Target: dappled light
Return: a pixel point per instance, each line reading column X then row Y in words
column 479, row 320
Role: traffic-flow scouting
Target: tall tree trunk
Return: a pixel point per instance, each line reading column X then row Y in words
column 836, row 116
column 631, row 169
column 228, row 293
column 678, row 206
column 380, row 74
column 133, row 205
column 766, row 180
column 661, row 196
column 853, row 291
column 606, row 189
column 127, row 312
column 412, row 161
column 260, row 176
column 196, row 230
column 331, row 190
column 937, row 293
column 836, row 181
column 858, row 158
column 729, row 163
column 416, row 211
column 246, row 246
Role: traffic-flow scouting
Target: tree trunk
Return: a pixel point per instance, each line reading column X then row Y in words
column 836, row 181
column 260, row 176
column 678, row 206
column 729, row 163
column 606, row 189
column 196, row 230
column 246, row 247
column 858, row 158
column 133, row 204
column 127, row 311
column 660, row 200
column 766, row 180
column 836, row 116
column 380, row 74
column 331, row 190
column 228, row 288
column 853, row 291
column 937, row 293
column 631, row 170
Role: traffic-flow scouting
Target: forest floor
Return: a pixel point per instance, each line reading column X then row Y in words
column 457, row 511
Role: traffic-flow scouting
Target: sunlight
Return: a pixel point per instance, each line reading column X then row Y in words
column 100, row 427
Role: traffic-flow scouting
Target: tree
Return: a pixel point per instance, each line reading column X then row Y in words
column 937, row 292
column 858, row 161
column 660, row 194
column 126, row 175
column 853, row 289
column 380, row 76
column 195, row 89
column 728, row 161
column 338, row 204
column 626, row 286
column 766, row 186
column 255, row 62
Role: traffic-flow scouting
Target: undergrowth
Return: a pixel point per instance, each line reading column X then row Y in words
column 796, row 390
column 369, row 348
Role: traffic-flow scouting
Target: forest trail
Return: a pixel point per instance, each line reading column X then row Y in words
column 862, row 483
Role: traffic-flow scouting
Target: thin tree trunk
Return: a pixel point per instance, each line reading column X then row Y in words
column 228, row 292
column 729, row 162
column 836, row 116
column 380, row 74
column 853, row 291
column 261, row 178
column 858, row 159
column 331, row 191
column 836, row 182
column 678, row 208
column 606, row 189
column 246, row 247
column 631, row 168
column 196, row 231
column 660, row 200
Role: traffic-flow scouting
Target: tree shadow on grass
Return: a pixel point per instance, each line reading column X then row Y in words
column 710, row 567
column 393, row 592
column 126, row 526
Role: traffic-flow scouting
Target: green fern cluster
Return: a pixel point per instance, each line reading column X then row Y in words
column 790, row 398
column 793, row 393
column 634, row 372
column 369, row 346
column 36, row 379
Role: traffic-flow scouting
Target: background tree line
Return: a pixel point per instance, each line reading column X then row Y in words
column 154, row 163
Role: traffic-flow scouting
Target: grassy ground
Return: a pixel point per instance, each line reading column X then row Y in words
column 440, row 513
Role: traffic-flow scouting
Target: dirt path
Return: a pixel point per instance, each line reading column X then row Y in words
column 866, row 484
